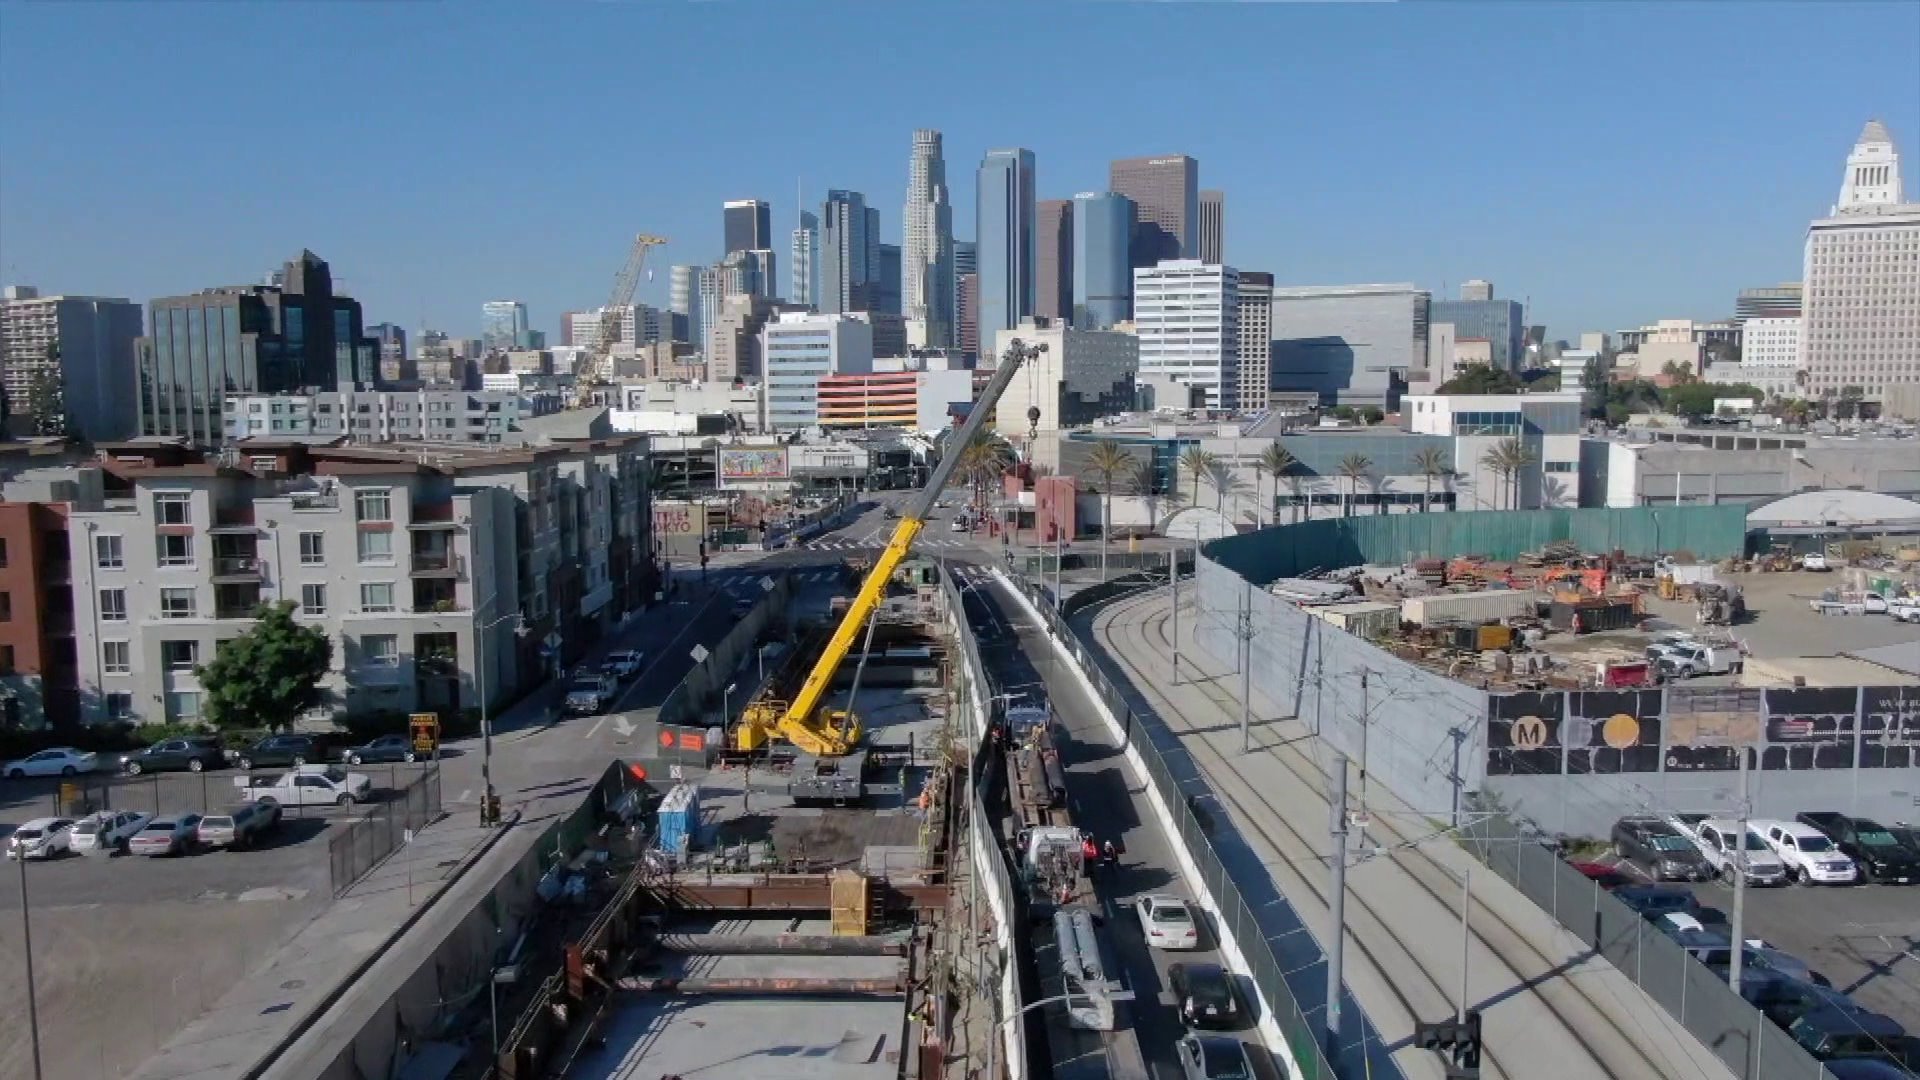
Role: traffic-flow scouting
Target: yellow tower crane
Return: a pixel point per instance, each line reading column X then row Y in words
column 596, row 367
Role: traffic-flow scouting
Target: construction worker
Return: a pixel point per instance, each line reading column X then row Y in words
column 1089, row 854
column 1110, row 855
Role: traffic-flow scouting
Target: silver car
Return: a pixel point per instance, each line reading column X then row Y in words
column 107, row 832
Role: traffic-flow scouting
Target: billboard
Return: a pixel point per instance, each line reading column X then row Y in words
column 679, row 519
column 751, row 466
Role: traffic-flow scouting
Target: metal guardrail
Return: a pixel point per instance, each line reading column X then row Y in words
column 364, row 842
column 1284, row 961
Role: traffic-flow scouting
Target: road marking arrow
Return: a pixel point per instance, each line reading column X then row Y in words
column 622, row 727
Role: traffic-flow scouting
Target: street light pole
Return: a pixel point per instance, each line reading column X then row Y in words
column 489, row 802
column 1336, row 950
column 26, row 940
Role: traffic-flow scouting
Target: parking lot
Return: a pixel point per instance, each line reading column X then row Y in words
column 1779, row 622
column 1864, row 938
column 127, row 949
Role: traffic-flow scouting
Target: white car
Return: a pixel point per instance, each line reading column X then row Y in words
column 41, row 838
column 107, row 831
column 1810, row 857
column 1814, row 560
column 58, row 761
column 624, row 664
column 1905, row 610
column 1166, row 922
column 1716, row 840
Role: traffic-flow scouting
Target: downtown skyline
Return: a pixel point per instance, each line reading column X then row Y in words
column 1605, row 207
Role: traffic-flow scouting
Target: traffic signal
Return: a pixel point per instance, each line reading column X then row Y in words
column 1456, row 1041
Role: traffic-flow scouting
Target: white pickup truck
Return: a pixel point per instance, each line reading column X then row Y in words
column 307, row 785
column 1906, row 609
column 1840, row 602
column 1684, row 659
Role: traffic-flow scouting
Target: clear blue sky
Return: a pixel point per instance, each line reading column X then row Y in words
column 1613, row 162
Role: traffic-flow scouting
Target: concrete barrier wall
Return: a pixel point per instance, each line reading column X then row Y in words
column 689, row 702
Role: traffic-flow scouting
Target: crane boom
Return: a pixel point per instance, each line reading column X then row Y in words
column 832, row 735
column 597, row 366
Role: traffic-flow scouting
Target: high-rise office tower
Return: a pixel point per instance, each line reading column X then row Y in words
column 927, row 270
column 849, row 253
column 1861, row 304
column 1187, row 315
column 1053, row 258
column 503, row 325
column 887, row 284
column 1213, row 226
column 1166, row 196
column 395, row 363
column 966, row 260
column 85, row 345
column 1474, row 289
column 747, row 273
column 1477, row 314
column 1776, row 302
column 805, row 261
column 1102, row 278
column 747, row 225
column 680, row 289
column 1005, row 244
column 1254, row 335
column 966, row 314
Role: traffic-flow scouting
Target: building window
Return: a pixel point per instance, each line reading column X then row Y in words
column 380, row 650
column 313, row 549
column 179, row 655
column 183, row 705
column 6, row 607
column 119, row 706
column 3, row 552
column 376, row 547
column 173, row 508
column 373, row 506
column 177, row 603
column 116, row 658
column 175, row 549
column 376, row 596
column 113, row 605
column 6, row 659
column 313, row 600
column 107, row 553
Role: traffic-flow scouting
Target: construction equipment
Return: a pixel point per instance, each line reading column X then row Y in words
column 834, row 732
column 596, row 366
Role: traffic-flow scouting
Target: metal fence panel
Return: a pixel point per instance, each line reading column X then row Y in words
column 364, row 841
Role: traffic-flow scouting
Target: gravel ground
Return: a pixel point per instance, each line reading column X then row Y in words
column 1780, row 623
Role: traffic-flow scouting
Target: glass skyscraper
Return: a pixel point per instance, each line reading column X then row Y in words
column 503, row 325
column 1102, row 276
column 1004, row 245
column 849, row 253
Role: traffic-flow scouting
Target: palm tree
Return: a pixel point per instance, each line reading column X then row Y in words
column 1354, row 467
column 1107, row 461
column 982, row 461
column 1508, row 459
column 1198, row 463
column 1143, row 483
column 1432, row 463
column 1275, row 461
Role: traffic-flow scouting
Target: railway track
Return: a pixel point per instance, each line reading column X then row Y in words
column 1603, row 1046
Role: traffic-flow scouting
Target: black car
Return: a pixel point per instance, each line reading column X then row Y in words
column 1659, row 849
column 287, row 749
column 1784, row 999
column 1907, row 833
column 193, row 754
column 384, row 748
column 1837, row 1034
column 1882, row 857
column 1204, row 995
column 1213, row 1057
column 1653, row 901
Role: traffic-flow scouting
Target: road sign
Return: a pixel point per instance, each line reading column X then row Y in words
column 424, row 727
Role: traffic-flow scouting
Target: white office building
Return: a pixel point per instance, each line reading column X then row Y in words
column 797, row 350
column 1186, row 314
column 1769, row 356
column 81, row 348
column 1862, row 281
column 1082, row 376
column 640, row 324
column 1548, row 426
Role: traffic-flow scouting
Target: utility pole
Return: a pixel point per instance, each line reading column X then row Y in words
column 1466, row 939
column 1741, row 864
column 1244, row 631
column 1459, row 736
column 1336, row 950
column 1173, row 575
column 1365, row 724
column 26, row 936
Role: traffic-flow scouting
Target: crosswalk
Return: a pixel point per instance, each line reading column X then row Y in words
column 844, row 543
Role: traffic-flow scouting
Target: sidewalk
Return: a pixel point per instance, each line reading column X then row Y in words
column 1543, row 998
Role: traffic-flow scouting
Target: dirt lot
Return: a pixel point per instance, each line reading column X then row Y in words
column 1779, row 622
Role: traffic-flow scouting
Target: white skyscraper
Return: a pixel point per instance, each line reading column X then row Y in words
column 806, row 261
column 1861, row 305
column 1186, row 314
column 926, row 287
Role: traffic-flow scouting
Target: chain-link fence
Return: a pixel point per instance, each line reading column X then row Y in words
column 1283, row 958
column 361, row 843
column 1692, row 993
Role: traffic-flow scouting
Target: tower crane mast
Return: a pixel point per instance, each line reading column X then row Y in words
column 596, row 368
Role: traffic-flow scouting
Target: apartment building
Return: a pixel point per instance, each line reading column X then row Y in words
column 441, row 574
column 378, row 416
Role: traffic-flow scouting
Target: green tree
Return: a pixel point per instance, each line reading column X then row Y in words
column 1275, row 461
column 1482, row 379
column 1432, row 463
column 268, row 676
column 1355, row 467
column 1105, row 462
column 982, row 462
column 1198, row 464
column 1372, row 415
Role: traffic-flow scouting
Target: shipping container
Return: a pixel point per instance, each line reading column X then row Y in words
column 1362, row 618
column 1487, row 605
column 680, row 818
column 1594, row 615
column 1493, row 636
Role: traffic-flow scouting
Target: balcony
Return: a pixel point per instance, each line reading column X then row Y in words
column 432, row 515
column 439, row 564
column 232, row 519
column 236, row 569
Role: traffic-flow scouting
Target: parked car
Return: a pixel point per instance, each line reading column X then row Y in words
column 307, row 785
column 1166, row 922
column 1816, row 561
column 240, row 826
column 385, row 748
column 1866, row 1069
column 1688, row 660
column 57, row 761
column 590, row 694
column 1881, row 857
column 1714, row 948
column 960, row 523
column 1601, row 874
column 626, row 663
column 1660, row 849
column 1810, row 856
column 1213, row 1057
column 194, row 754
column 1830, row 1034
column 1205, row 996
column 1905, row 610
column 1653, row 901
column 107, row 831
column 1908, row 834
column 289, row 748
column 1784, row 999
column 167, row 836
column 1732, row 853
column 41, row 838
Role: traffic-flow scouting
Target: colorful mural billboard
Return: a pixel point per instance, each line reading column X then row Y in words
column 752, row 466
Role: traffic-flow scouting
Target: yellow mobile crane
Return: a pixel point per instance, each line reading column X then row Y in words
column 834, row 732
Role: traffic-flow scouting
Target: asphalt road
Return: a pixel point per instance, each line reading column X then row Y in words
column 1106, row 801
